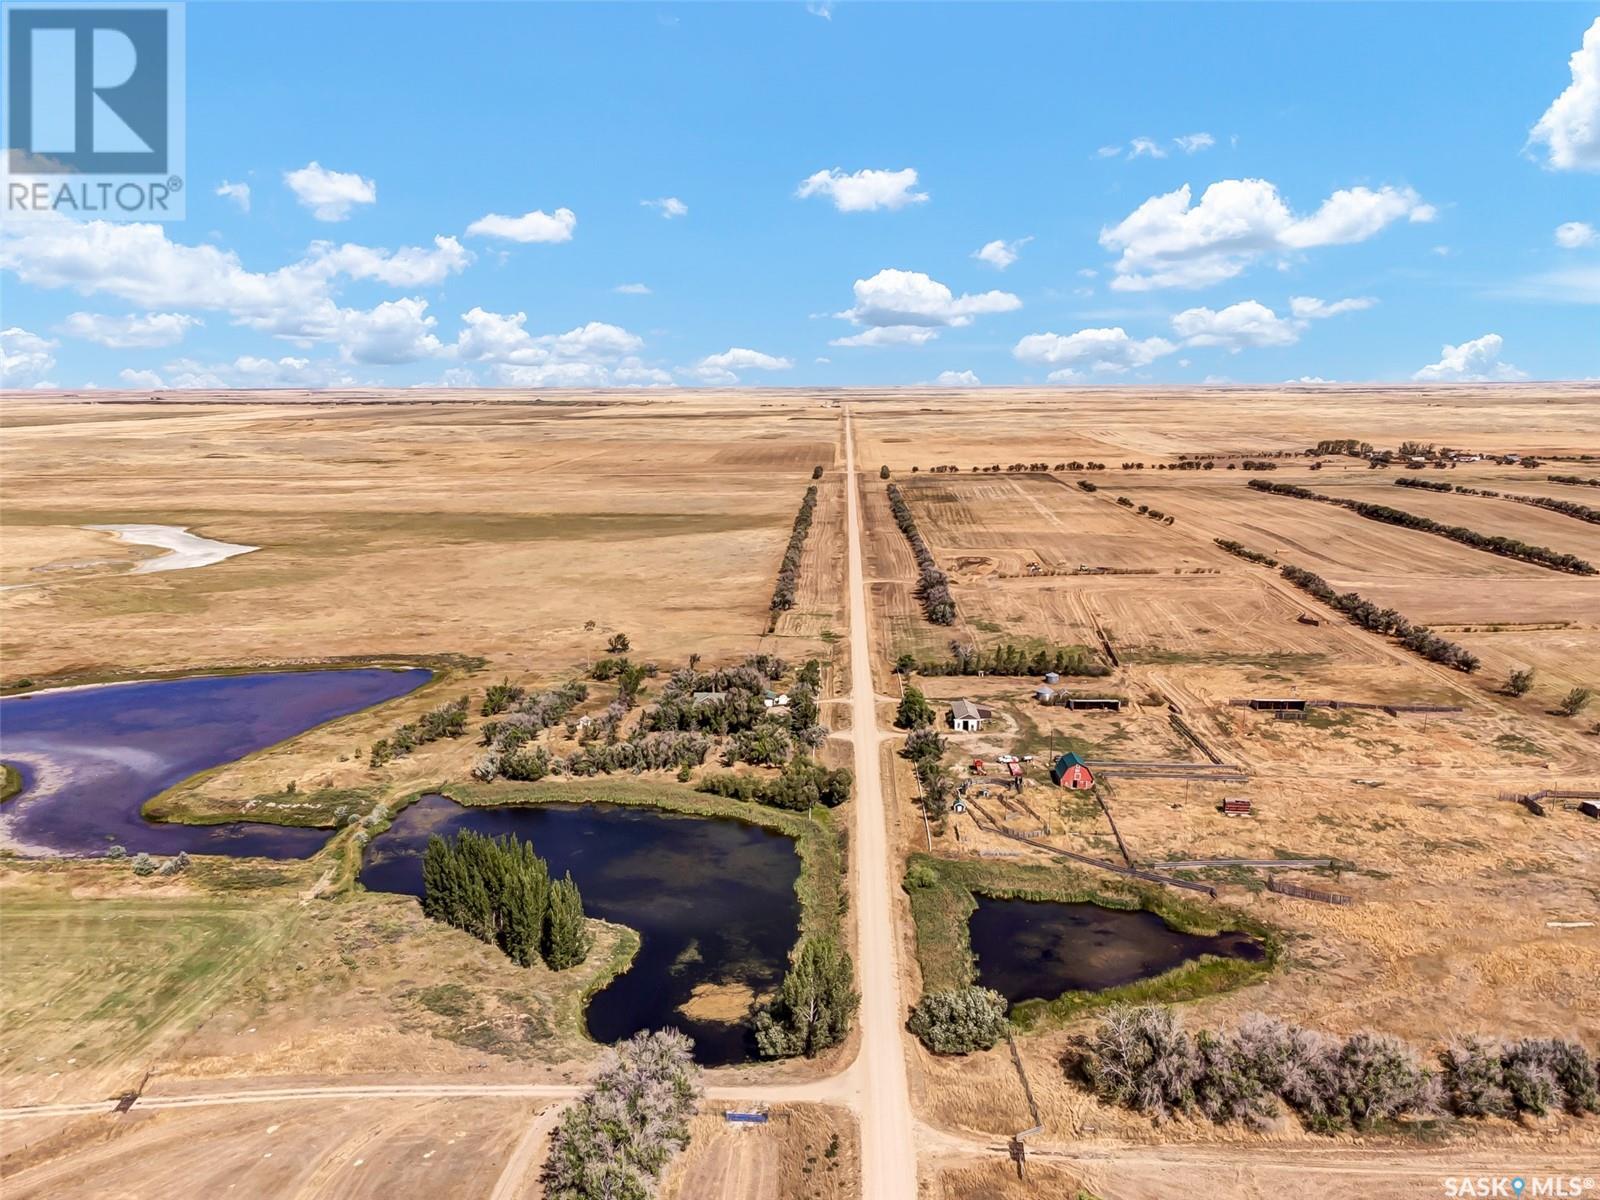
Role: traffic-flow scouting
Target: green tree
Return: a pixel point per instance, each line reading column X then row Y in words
column 1575, row 701
column 566, row 940
column 960, row 1021
column 914, row 712
column 816, row 472
column 1520, row 682
column 619, row 644
column 883, row 471
column 815, row 1006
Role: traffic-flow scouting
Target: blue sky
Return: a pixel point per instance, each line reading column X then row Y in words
column 1375, row 192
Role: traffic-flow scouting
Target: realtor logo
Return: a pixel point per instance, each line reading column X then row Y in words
column 93, row 110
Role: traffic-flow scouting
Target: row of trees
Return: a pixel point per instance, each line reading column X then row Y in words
column 641, row 752
column 1244, row 552
column 442, row 721
column 1507, row 547
column 1575, row 480
column 802, row 783
column 1419, row 639
column 614, row 1143
column 924, row 750
column 500, row 891
column 1143, row 1058
column 788, row 572
column 1006, row 659
column 1567, row 508
column 933, row 587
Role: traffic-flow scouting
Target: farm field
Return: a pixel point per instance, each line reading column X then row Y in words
column 499, row 537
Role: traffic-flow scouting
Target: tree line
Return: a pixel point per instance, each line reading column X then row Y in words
column 802, row 783
column 933, row 587
column 509, row 753
column 788, row 572
column 442, row 721
column 500, row 891
column 1419, row 639
column 1144, row 1059
column 1506, row 547
column 1567, row 508
column 1006, row 659
column 1244, row 552
column 1576, row 480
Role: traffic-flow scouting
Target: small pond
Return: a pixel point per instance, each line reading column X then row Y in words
column 713, row 901
column 1037, row 950
column 90, row 757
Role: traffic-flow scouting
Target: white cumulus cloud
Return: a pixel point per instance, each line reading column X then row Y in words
column 915, row 306
column 1168, row 241
column 1477, row 361
column 1311, row 309
column 721, row 368
column 135, row 331
column 864, row 191
column 957, row 379
column 25, row 358
column 1107, row 351
column 999, row 253
column 330, row 195
column 1576, row 235
column 535, row 226
column 632, row 289
column 1248, row 323
column 1570, row 127
column 409, row 266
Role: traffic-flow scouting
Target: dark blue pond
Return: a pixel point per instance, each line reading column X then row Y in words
column 1037, row 950
column 713, row 901
column 91, row 757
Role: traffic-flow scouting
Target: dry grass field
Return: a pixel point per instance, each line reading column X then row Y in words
column 498, row 535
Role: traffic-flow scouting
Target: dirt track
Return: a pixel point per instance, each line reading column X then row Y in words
column 887, row 1153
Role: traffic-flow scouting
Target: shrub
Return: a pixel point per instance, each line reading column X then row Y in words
column 816, row 472
column 1575, row 701
column 920, row 876
column 1546, row 1073
column 1520, row 682
column 115, row 851
column 960, row 1021
column 143, row 864
column 1226, row 1087
column 1475, row 1079
column 1379, row 1077
column 1142, row 1058
column 619, row 644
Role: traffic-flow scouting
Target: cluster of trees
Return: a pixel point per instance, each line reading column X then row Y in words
column 501, row 696
column 1243, row 551
column 630, row 676
column 509, row 740
column 1576, row 480
column 1144, row 1059
column 1507, row 547
column 614, row 1143
column 1006, row 659
column 815, row 1006
column 1350, row 446
column 1419, row 639
column 803, row 783
column 924, row 750
column 1088, row 486
column 933, row 589
column 1155, row 514
column 641, row 752
column 500, row 891
column 783, row 594
column 914, row 711
column 1567, row 508
column 960, row 1021
column 442, row 721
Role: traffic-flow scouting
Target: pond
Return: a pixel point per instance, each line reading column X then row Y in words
column 712, row 899
column 90, row 757
column 1037, row 950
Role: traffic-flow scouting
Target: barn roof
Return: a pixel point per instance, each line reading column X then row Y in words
column 965, row 710
column 1068, row 761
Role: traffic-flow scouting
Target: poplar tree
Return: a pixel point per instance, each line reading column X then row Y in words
column 566, row 941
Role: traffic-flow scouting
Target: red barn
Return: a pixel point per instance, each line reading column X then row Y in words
column 1072, row 772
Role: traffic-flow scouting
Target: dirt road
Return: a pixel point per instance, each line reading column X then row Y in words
column 888, row 1157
